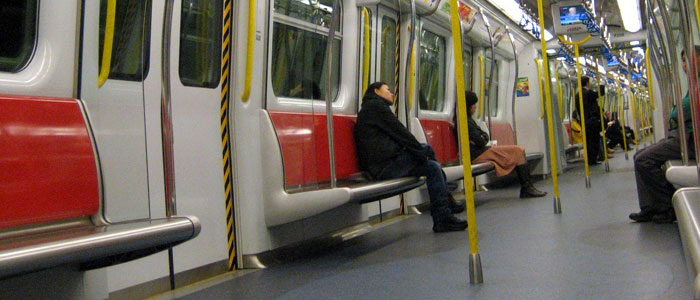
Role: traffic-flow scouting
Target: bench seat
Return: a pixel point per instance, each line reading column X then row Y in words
column 52, row 208
column 377, row 190
column 91, row 246
column 534, row 156
column 686, row 203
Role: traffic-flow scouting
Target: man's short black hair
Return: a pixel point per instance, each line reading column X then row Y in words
column 585, row 80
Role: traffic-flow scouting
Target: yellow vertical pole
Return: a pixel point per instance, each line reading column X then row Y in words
column 539, row 80
column 474, row 258
column 634, row 114
column 621, row 116
column 651, row 95
column 602, row 119
column 580, row 99
column 561, row 98
column 481, row 86
column 550, row 124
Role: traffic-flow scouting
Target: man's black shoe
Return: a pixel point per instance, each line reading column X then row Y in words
column 663, row 218
column 449, row 223
column 530, row 191
column 455, row 207
column 642, row 216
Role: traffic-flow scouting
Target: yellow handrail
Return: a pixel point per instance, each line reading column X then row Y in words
column 634, row 111
column 550, row 123
column 249, row 50
column 365, row 61
column 651, row 95
column 481, row 86
column 561, row 99
column 580, row 99
column 409, row 95
column 463, row 127
column 602, row 119
column 108, row 43
column 539, row 81
column 621, row 115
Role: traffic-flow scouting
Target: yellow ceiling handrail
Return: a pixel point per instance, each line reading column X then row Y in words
column 365, row 58
column 108, row 43
column 249, row 50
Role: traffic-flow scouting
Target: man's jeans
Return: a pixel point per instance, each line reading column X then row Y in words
column 406, row 165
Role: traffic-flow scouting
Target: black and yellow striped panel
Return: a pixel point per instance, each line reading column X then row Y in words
column 396, row 64
column 225, row 144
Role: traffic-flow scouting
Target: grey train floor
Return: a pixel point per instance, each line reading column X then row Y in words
column 590, row 251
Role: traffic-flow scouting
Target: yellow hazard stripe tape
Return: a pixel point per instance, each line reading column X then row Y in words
column 225, row 144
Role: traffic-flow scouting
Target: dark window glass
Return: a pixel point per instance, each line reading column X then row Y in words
column 387, row 72
column 131, row 45
column 299, row 69
column 431, row 93
column 18, row 24
column 200, row 43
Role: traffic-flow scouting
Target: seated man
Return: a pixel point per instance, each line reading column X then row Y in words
column 653, row 190
column 387, row 150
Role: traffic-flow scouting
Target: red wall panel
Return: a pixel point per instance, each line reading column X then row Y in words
column 440, row 136
column 304, row 142
column 47, row 164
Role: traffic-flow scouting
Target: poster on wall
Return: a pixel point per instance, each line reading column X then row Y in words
column 522, row 88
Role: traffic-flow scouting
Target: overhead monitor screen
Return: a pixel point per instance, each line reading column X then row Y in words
column 571, row 14
column 613, row 62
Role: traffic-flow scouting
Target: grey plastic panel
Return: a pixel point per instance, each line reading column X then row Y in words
column 93, row 246
column 686, row 203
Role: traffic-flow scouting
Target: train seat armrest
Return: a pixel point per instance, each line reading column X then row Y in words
column 681, row 176
column 534, row 156
column 91, row 246
column 686, row 203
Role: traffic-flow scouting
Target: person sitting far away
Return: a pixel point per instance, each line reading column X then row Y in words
column 387, row 150
column 653, row 190
column 506, row 158
column 592, row 119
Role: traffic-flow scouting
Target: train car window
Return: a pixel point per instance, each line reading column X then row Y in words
column 132, row 35
column 431, row 88
column 200, row 43
column 18, row 20
column 387, row 73
column 467, row 58
column 492, row 90
column 299, row 39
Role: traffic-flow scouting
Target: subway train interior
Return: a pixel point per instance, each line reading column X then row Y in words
column 191, row 149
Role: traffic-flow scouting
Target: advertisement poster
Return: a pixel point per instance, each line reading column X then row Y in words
column 522, row 88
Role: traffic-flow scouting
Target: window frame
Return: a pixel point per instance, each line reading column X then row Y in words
column 217, row 66
column 284, row 103
column 34, row 43
column 446, row 112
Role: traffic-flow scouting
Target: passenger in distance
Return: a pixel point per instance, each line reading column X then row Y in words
column 506, row 158
column 653, row 190
column 387, row 150
column 592, row 117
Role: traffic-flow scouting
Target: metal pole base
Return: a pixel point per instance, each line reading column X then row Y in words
column 627, row 156
column 475, row 274
column 557, row 205
column 607, row 167
column 588, row 182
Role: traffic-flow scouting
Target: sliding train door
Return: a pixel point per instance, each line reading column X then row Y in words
column 115, row 62
column 199, row 60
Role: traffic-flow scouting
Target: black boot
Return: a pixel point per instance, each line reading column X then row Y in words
column 527, row 190
column 447, row 223
column 455, row 207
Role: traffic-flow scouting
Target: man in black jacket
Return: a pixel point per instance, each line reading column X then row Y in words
column 387, row 150
column 592, row 118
